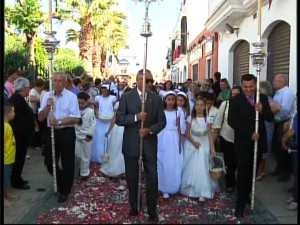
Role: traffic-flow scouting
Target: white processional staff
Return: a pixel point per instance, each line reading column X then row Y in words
column 50, row 43
column 145, row 33
column 258, row 60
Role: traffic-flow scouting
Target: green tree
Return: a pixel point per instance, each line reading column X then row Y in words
column 27, row 16
column 65, row 59
column 93, row 17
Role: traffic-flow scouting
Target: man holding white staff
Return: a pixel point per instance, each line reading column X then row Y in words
column 130, row 116
column 241, row 117
column 65, row 115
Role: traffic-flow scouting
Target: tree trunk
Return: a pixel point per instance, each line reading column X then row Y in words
column 96, row 59
column 86, row 44
column 30, row 47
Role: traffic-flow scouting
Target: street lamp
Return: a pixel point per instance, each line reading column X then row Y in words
column 50, row 44
column 258, row 57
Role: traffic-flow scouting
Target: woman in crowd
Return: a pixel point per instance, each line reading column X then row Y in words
column 192, row 93
column 23, row 128
column 226, row 138
column 224, row 93
column 266, row 88
column 167, row 86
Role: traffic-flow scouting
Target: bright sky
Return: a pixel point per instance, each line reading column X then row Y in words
column 163, row 18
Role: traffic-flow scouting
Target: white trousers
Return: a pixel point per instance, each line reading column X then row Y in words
column 83, row 152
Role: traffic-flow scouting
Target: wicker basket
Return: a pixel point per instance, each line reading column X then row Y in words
column 216, row 167
column 105, row 156
column 216, row 175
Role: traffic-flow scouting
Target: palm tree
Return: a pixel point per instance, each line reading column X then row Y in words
column 111, row 36
column 93, row 17
column 27, row 16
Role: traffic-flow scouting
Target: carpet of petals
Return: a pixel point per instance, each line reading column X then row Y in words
column 102, row 200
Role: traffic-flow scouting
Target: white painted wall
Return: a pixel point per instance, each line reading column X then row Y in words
column 197, row 14
column 280, row 10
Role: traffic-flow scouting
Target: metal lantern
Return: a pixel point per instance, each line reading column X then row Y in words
column 258, row 56
column 50, row 43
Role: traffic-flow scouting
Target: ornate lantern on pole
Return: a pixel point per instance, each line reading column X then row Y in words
column 146, row 32
column 50, row 44
column 258, row 57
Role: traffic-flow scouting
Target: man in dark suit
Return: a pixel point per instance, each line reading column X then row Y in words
column 130, row 116
column 241, row 117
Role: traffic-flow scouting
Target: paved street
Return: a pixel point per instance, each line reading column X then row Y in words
column 40, row 204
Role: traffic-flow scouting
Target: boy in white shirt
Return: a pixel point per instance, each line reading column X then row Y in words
column 84, row 135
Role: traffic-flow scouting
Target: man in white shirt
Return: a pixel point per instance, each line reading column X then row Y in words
column 286, row 99
column 65, row 115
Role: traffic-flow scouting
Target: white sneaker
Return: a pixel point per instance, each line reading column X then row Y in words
column 27, row 156
column 290, row 200
column 9, row 204
column 166, row 195
column 292, row 207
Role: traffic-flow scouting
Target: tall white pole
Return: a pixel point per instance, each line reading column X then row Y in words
column 258, row 60
column 145, row 33
column 50, row 43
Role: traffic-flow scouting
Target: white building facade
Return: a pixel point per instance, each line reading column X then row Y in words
column 190, row 23
column 237, row 24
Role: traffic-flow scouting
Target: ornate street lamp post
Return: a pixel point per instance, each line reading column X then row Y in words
column 146, row 32
column 258, row 60
column 50, row 44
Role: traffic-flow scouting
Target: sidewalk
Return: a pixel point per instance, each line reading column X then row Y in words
column 270, row 195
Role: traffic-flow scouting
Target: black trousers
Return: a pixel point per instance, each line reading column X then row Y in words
column 132, row 173
column 230, row 160
column 282, row 157
column 37, row 139
column 22, row 143
column 245, row 173
column 64, row 149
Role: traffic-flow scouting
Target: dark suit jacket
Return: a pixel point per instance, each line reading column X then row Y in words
column 241, row 117
column 130, row 104
column 23, row 123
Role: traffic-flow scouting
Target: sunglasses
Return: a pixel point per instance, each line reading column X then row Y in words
column 149, row 81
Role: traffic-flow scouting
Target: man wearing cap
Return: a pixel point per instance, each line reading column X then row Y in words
column 23, row 128
column 12, row 75
column 65, row 115
column 130, row 116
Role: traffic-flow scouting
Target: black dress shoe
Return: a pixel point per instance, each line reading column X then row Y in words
column 133, row 212
column 284, row 178
column 25, row 181
column 230, row 189
column 62, row 198
column 23, row 187
column 276, row 172
column 238, row 213
column 84, row 178
column 248, row 201
column 153, row 217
